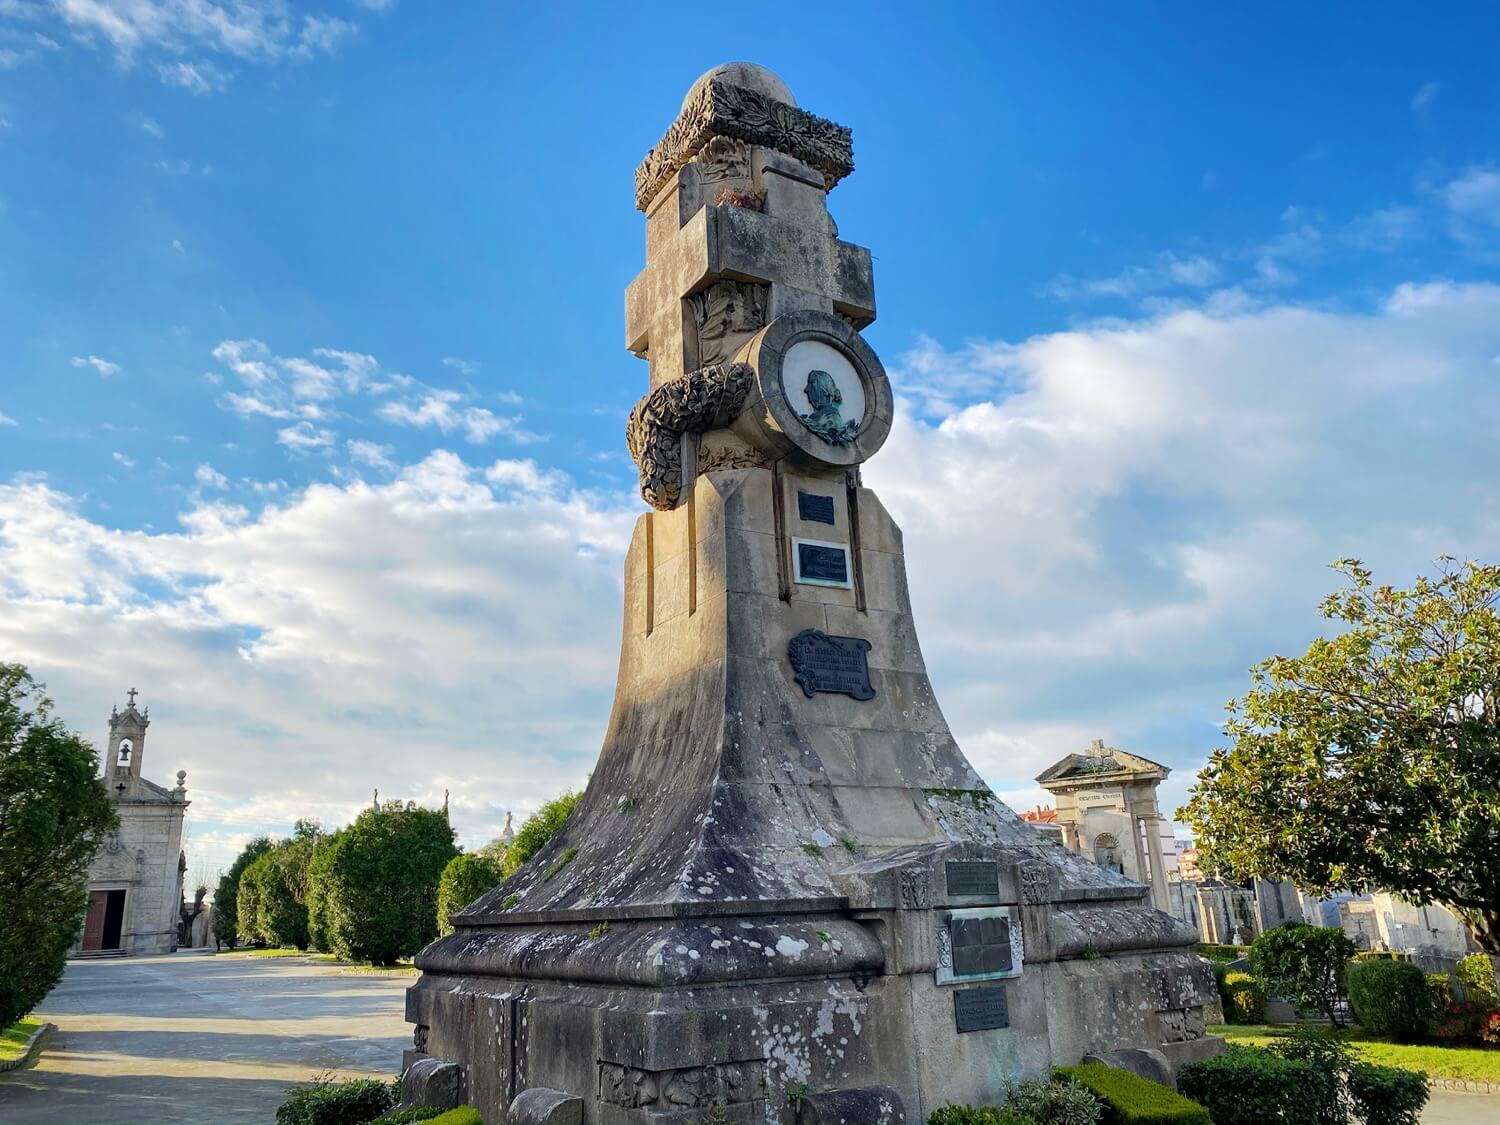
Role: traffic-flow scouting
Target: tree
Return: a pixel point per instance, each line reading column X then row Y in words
column 1372, row 762
column 378, row 882
column 1305, row 964
column 54, row 814
column 279, row 882
column 317, row 897
column 464, row 879
column 226, row 904
column 539, row 827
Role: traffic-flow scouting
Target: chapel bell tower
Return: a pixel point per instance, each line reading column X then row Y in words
column 127, row 740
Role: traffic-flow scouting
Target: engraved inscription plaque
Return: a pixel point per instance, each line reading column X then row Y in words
column 814, row 508
column 974, row 877
column 981, row 1009
column 836, row 665
column 821, row 564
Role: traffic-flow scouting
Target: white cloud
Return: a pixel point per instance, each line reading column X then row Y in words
column 1166, row 272
column 195, row 77
column 444, row 410
column 150, row 127
column 1384, row 228
column 209, row 477
column 122, row 459
column 1423, row 99
column 304, row 435
column 371, row 453
column 408, row 635
column 103, row 366
column 1473, row 202
column 7, row 420
column 462, row 366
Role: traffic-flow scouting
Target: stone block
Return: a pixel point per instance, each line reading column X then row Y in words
column 867, row 1105
column 433, row 1082
column 541, row 1106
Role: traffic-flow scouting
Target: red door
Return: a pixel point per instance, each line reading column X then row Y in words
column 93, row 926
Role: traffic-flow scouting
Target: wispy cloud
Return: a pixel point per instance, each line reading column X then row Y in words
column 122, row 459
column 1166, row 272
column 304, row 435
column 209, row 477
column 7, row 420
column 103, row 366
column 371, row 453
column 462, row 366
column 151, row 128
column 444, row 410
column 1423, row 99
column 1473, row 203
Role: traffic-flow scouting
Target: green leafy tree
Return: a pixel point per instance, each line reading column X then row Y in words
column 464, row 879
column 1372, row 762
column 539, row 827
column 54, row 814
column 317, row 898
column 279, row 879
column 1305, row 964
column 226, row 894
column 379, row 881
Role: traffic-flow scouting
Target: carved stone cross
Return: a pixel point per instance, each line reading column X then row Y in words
column 132, row 693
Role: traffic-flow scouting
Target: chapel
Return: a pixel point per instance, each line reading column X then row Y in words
column 135, row 882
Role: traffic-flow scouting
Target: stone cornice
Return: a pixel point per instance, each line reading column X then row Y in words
column 719, row 109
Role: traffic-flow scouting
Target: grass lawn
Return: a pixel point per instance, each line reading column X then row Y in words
column 13, row 1038
column 405, row 968
column 1473, row 1064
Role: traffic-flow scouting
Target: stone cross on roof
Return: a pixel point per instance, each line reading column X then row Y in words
column 132, row 693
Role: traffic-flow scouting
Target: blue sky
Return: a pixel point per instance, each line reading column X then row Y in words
column 311, row 413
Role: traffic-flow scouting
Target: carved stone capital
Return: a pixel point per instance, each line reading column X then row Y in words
column 719, row 109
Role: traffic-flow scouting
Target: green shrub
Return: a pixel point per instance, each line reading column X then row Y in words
column 464, row 879
column 1053, row 1102
column 1390, row 998
column 463, row 1115
column 1244, row 998
column 1476, row 973
column 338, row 1103
column 1387, row 1095
column 412, row 1115
column 1439, row 991
column 1131, row 1100
column 539, row 827
column 1378, row 955
column 275, row 912
column 1305, row 964
column 979, row 1115
column 378, row 882
column 1250, row 1086
column 226, row 895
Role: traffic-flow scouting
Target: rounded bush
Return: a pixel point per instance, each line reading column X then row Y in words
column 1390, row 998
column 1244, row 998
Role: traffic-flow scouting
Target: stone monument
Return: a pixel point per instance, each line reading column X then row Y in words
column 786, row 895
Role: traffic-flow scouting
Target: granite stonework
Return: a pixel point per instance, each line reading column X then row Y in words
column 776, row 904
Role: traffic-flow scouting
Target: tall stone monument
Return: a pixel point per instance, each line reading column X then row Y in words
column 786, row 895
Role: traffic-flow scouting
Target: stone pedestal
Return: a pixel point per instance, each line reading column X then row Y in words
column 785, row 891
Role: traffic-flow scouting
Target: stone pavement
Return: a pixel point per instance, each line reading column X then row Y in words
column 1452, row 1107
column 190, row 1037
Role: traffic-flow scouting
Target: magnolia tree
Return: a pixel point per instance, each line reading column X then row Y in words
column 1372, row 762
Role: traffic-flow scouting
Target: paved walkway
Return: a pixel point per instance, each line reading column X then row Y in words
column 190, row 1037
column 1450, row 1107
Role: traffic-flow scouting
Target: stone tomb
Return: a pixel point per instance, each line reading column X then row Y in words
column 786, row 895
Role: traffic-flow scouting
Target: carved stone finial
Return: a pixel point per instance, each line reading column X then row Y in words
column 700, row 400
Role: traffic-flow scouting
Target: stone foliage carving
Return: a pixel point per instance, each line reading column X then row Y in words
column 724, row 158
column 1033, row 885
column 722, row 110
column 727, row 313
column 1179, row 1025
column 705, row 399
column 731, row 457
column 916, row 888
column 688, row 1087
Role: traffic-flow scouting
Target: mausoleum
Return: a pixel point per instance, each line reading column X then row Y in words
column 786, row 895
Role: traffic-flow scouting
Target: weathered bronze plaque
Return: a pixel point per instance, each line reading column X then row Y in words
column 815, row 508
column 981, row 1009
column 836, row 665
column 817, row 563
column 974, row 877
column 981, row 946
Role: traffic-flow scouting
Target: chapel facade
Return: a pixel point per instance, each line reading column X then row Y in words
column 135, row 882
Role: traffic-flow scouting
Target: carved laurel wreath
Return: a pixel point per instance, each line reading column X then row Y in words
column 701, row 400
column 722, row 110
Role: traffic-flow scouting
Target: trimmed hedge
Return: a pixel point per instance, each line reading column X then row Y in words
column 354, row 1102
column 1221, row 952
column 978, row 1115
column 1244, row 998
column 463, row 1115
column 1132, row 1100
column 1246, row 1086
column 1387, row 1095
column 1390, row 998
